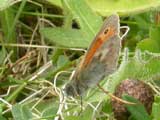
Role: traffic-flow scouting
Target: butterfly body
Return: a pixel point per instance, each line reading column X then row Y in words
column 100, row 60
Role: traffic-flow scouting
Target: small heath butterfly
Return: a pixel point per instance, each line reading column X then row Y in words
column 100, row 60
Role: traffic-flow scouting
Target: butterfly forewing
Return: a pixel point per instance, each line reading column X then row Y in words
column 109, row 29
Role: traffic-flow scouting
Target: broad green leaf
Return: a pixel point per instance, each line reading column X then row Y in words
column 66, row 37
column 21, row 112
column 49, row 113
column 156, row 108
column 46, row 104
column 89, row 24
column 87, row 114
column 123, row 7
column 138, row 111
column 47, row 107
column 151, row 44
column 148, row 44
column 88, row 21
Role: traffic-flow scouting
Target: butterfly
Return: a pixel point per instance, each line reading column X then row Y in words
column 100, row 60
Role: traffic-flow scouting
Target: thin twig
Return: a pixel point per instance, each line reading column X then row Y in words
column 114, row 97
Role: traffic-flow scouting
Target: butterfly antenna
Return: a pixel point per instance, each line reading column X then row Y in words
column 126, row 32
column 114, row 97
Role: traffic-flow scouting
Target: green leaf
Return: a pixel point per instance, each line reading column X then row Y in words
column 87, row 20
column 1, row 116
column 21, row 112
column 155, row 34
column 65, row 37
column 49, row 113
column 107, row 107
column 55, row 2
column 71, row 117
column 86, row 114
column 8, row 21
column 148, row 44
column 138, row 111
column 156, row 108
column 151, row 44
column 123, row 7
column 56, row 54
column 3, row 55
column 143, row 21
column 62, row 60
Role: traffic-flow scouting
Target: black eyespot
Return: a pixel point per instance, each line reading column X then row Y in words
column 106, row 31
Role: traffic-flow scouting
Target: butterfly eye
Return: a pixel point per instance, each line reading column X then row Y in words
column 106, row 31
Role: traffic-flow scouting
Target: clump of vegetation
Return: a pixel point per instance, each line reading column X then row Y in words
column 42, row 42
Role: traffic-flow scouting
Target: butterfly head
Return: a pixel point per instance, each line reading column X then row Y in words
column 74, row 88
column 71, row 89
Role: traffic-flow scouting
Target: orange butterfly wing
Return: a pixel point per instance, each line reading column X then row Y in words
column 109, row 29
